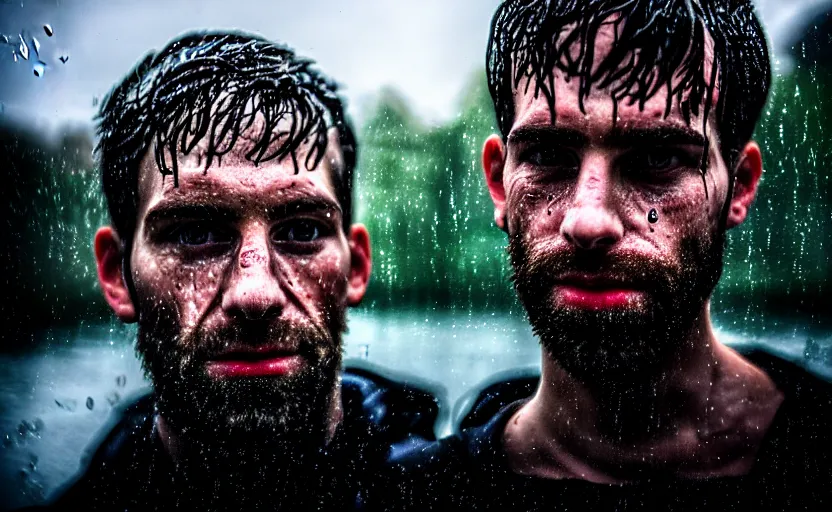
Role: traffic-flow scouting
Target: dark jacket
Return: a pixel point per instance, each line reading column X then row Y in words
column 470, row 471
column 130, row 469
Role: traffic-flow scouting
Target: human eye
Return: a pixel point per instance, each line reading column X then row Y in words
column 199, row 234
column 555, row 158
column 299, row 232
column 657, row 162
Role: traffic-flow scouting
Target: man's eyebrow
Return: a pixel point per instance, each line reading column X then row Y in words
column 663, row 135
column 180, row 209
column 562, row 136
column 173, row 209
column 302, row 205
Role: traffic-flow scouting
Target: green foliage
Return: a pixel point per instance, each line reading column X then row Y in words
column 424, row 200
column 780, row 259
column 52, row 208
column 421, row 193
column 427, row 209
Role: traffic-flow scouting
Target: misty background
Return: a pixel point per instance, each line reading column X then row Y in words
column 426, row 50
column 440, row 309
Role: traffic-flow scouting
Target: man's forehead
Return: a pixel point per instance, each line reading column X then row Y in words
column 596, row 118
column 234, row 178
column 531, row 107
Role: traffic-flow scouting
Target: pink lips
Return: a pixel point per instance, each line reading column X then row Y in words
column 260, row 362
column 596, row 293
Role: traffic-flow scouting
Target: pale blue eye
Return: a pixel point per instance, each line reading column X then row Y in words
column 299, row 231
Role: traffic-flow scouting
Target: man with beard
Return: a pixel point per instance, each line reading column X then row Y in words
column 625, row 157
column 227, row 167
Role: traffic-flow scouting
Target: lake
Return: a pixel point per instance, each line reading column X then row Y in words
column 54, row 400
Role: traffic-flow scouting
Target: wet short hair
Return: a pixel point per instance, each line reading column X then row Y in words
column 660, row 45
column 210, row 86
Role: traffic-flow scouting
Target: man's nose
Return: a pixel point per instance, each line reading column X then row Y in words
column 592, row 220
column 254, row 292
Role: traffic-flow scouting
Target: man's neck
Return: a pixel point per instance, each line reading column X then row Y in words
column 693, row 419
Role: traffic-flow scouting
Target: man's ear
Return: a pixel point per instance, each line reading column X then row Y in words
column 109, row 259
column 493, row 162
column 361, row 263
column 746, row 178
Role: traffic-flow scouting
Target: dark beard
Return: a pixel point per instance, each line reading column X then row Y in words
column 248, row 430
column 599, row 347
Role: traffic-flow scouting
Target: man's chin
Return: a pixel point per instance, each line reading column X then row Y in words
column 242, row 408
column 599, row 343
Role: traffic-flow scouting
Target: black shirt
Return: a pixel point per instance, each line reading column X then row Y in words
column 132, row 471
column 792, row 470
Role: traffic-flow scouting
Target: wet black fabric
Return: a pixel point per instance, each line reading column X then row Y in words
column 131, row 470
column 469, row 471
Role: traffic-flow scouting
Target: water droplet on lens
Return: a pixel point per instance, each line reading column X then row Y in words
column 113, row 397
column 24, row 48
column 39, row 69
column 68, row 404
column 121, row 381
column 90, row 403
column 64, row 58
column 653, row 216
column 36, row 44
column 48, row 29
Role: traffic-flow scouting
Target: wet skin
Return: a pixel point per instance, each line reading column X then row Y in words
column 581, row 188
column 237, row 247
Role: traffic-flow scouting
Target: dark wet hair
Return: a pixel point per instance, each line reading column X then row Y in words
column 658, row 42
column 211, row 86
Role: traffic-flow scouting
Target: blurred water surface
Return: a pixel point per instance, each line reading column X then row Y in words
column 54, row 400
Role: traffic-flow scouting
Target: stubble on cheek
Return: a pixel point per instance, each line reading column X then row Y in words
column 175, row 300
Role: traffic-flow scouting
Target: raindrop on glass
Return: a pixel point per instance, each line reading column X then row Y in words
column 63, row 58
column 113, row 397
column 48, row 29
column 121, row 380
column 90, row 403
column 68, row 404
column 653, row 216
column 39, row 69
column 24, row 48
column 27, row 429
column 36, row 44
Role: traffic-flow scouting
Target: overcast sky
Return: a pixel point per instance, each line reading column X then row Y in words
column 427, row 49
